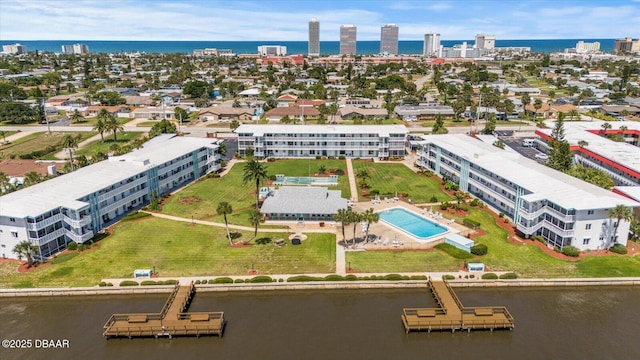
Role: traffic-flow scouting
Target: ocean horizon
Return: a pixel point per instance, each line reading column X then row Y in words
column 293, row 47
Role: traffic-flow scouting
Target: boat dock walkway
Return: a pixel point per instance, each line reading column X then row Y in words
column 452, row 315
column 173, row 319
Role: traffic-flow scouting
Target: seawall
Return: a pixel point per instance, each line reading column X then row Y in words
column 319, row 285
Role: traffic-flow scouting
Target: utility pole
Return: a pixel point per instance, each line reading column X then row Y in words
column 46, row 118
column 180, row 123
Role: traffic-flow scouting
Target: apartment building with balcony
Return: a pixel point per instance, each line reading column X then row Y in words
column 309, row 141
column 592, row 148
column 537, row 199
column 75, row 206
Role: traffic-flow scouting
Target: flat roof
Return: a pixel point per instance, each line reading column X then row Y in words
column 624, row 154
column 67, row 189
column 382, row 130
column 632, row 192
column 544, row 182
column 303, row 200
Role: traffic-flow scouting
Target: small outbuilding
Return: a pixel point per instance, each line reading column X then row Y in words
column 459, row 242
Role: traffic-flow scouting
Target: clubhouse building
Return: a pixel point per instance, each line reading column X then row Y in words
column 539, row 200
column 310, row 141
column 75, row 206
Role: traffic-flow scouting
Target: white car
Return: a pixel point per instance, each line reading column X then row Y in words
column 542, row 156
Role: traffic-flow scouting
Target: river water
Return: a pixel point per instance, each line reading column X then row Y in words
column 551, row 323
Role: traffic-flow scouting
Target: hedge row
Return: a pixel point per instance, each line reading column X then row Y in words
column 471, row 223
column 389, row 277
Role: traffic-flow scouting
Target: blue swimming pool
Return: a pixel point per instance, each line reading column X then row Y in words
column 411, row 223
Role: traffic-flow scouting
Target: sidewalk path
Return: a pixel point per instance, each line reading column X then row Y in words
column 352, row 181
column 18, row 135
column 64, row 155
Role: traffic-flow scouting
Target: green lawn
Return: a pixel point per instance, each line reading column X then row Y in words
column 6, row 134
column 177, row 249
column 123, row 139
column 389, row 178
column 202, row 198
column 526, row 260
column 146, row 123
column 39, row 141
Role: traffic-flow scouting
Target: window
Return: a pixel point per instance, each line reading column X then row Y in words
column 12, row 219
column 590, row 212
column 587, row 227
column 585, row 241
column 14, row 234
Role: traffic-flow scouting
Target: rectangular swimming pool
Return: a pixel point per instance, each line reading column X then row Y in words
column 411, row 223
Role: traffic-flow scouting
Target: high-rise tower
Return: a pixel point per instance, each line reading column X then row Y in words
column 431, row 45
column 348, row 39
column 389, row 39
column 314, row 37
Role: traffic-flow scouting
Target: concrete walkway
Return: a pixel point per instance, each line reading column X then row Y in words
column 352, row 181
column 18, row 135
column 210, row 223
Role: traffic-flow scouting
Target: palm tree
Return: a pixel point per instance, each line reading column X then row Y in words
column 573, row 114
column 623, row 129
column 363, row 175
column 582, row 143
column 254, row 171
column 223, row 209
column 4, row 136
column 32, row 178
column 114, row 125
column 370, row 217
column 620, row 212
column 605, row 126
column 592, row 113
column 255, row 217
column 27, row 250
column 101, row 122
column 4, row 182
column 70, row 142
column 76, row 116
column 459, row 199
column 355, row 219
column 537, row 104
column 342, row 217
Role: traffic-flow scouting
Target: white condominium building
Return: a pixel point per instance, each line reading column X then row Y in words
column 591, row 147
column 306, row 141
column 75, row 206
column 539, row 200
column 272, row 50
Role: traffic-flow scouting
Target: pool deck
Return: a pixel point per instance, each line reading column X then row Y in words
column 405, row 241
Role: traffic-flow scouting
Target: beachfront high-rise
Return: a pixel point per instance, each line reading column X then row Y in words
column 389, row 39
column 484, row 41
column 431, row 45
column 348, row 35
column 77, row 49
column 314, row 37
column 15, row 49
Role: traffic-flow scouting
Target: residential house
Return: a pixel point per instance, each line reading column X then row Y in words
column 225, row 113
column 292, row 112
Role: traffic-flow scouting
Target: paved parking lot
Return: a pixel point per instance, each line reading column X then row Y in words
column 527, row 151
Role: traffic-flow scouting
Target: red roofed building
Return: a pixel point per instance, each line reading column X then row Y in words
column 279, row 60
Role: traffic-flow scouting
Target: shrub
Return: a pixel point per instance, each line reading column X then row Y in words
column 339, row 172
column 197, row 282
column 318, row 157
column 489, row 276
column 280, row 280
column 374, row 192
column 150, row 282
column 571, row 251
column 260, row 279
column 509, row 276
column 501, row 214
column 239, row 281
column 471, row 223
column 102, row 284
column 341, row 157
column 539, row 238
column 454, row 251
column 350, row 277
column 72, row 245
column 433, row 199
column 333, row 278
column 472, row 276
column 393, row 277
column 213, row 175
column 168, row 282
column 448, row 277
column 619, row 249
column 303, row 278
column 444, row 205
column 479, row 249
column 418, row 277
column 474, row 202
column 135, row 215
column 109, row 284
column 129, row 283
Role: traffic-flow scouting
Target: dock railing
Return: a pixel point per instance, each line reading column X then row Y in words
column 169, row 301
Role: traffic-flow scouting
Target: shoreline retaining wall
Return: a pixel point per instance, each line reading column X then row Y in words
column 317, row 285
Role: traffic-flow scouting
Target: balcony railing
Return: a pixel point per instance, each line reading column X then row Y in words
column 84, row 221
column 45, row 222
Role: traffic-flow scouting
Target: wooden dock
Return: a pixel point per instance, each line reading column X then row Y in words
column 173, row 319
column 452, row 315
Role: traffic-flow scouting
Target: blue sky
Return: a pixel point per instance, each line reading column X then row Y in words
column 272, row 20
